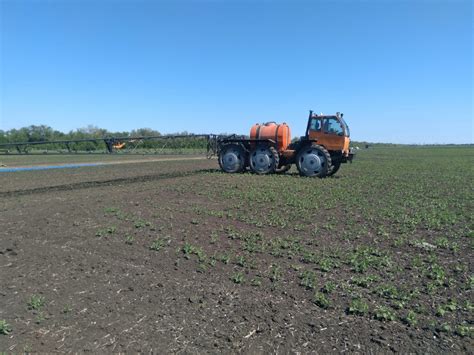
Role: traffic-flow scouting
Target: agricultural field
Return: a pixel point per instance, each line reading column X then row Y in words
column 171, row 256
column 14, row 160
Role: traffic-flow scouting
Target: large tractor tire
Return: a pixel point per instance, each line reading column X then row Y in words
column 313, row 161
column 264, row 160
column 334, row 168
column 232, row 158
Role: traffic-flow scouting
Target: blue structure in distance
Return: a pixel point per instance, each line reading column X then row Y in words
column 47, row 167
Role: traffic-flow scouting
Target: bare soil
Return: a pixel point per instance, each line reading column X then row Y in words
column 81, row 239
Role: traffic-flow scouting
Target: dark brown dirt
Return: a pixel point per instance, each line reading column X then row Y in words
column 113, row 174
column 64, row 237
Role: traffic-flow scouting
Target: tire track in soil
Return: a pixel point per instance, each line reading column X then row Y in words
column 101, row 183
column 104, row 162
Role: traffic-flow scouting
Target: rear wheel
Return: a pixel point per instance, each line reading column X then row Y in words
column 313, row 160
column 232, row 158
column 264, row 160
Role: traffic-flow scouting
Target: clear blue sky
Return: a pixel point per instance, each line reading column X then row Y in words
column 401, row 71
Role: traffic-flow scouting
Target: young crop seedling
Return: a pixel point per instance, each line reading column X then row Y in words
column 140, row 223
column 237, row 278
column 109, row 230
column 157, row 244
column 327, row 264
column 202, row 257
column 437, row 273
column 417, row 262
column 358, row 307
column 35, row 302
column 328, row 287
column 308, row 279
column 214, row 237
column 256, row 281
column 397, row 304
column 188, row 250
column 111, row 210
column 465, row 330
column 444, row 328
column 383, row 313
column 309, row 257
column 225, row 258
column 411, row 318
column 387, row 291
column 432, row 287
column 321, row 300
column 442, row 242
column 252, row 243
column 275, row 273
column 364, row 281
column 116, row 212
column 212, row 261
column 5, row 328
column 451, row 306
column 201, row 268
column 399, row 242
column 241, row 261
column 468, row 306
column 363, row 258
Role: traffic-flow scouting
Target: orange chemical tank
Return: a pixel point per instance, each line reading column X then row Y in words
column 280, row 133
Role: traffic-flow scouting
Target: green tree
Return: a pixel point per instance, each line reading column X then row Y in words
column 144, row 132
column 40, row 133
column 3, row 137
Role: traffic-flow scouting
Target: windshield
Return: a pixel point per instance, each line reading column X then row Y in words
column 346, row 127
column 333, row 126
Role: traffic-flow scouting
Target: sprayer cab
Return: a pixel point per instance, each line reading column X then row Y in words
column 329, row 131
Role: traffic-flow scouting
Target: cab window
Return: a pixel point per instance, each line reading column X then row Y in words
column 315, row 124
column 346, row 127
column 333, row 126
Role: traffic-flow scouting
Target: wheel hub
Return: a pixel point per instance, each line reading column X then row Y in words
column 231, row 159
column 262, row 161
column 312, row 162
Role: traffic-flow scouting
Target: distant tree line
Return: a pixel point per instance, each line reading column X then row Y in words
column 44, row 133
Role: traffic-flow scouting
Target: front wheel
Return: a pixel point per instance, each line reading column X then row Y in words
column 314, row 161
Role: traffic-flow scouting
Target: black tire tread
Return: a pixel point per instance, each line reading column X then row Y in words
column 221, row 153
column 275, row 154
column 334, row 168
column 325, row 152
